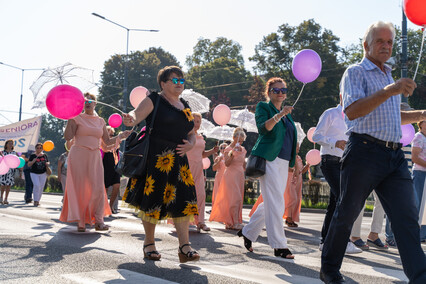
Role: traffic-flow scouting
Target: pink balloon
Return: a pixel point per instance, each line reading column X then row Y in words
column 408, row 133
column 311, row 133
column 12, row 161
column 137, row 95
column 313, row 157
column 3, row 168
column 65, row 102
column 206, row 163
column 1, row 158
column 306, row 65
column 115, row 120
column 221, row 114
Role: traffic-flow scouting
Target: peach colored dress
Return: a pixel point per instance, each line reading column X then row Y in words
column 230, row 194
column 292, row 195
column 85, row 199
column 195, row 160
column 218, row 177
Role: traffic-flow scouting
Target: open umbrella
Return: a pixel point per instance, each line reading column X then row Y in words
column 243, row 118
column 79, row 77
column 220, row 132
column 205, row 126
column 300, row 133
column 197, row 102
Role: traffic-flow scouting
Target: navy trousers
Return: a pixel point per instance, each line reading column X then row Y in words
column 367, row 166
column 28, row 185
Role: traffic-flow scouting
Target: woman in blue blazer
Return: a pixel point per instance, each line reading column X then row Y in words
column 277, row 144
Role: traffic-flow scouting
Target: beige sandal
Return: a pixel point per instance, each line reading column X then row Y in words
column 101, row 227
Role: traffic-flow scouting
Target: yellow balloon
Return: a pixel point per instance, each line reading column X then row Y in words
column 48, row 146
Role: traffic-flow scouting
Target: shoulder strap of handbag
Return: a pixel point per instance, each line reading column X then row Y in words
column 151, row 125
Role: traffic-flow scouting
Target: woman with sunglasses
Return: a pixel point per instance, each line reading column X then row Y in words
column 38, row 162
column 167, row 190
column 8, row 179
column 85, row 200
column 277, row 144
column 195, row 160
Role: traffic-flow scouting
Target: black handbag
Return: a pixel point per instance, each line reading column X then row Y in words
column 255, row 167
column 132, row 164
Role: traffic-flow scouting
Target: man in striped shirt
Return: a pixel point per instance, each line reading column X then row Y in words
column 373, row 158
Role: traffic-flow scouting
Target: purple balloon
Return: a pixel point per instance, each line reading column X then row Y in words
column 306, row 65
column 408, row 133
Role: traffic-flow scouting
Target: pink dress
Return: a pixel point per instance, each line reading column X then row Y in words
column 230, row 194
column 85, row 199
column 195, row 160
column 218, row 177
column 293, row 193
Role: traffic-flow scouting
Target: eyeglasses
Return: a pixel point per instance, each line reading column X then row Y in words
column 177, row 80
column 89, row 101
column 278, row 90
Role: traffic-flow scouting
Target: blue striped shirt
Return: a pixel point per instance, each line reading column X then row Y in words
column 362, row 80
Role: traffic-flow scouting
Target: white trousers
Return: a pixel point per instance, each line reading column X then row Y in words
column 376, row 223
column 38, row 185
column 271, row 211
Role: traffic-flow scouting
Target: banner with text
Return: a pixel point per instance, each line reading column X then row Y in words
column 24, row 133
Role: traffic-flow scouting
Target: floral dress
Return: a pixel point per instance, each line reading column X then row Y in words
column 167, row 190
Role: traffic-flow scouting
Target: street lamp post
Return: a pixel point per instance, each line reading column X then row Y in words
column 22, row 82
column 127, row 54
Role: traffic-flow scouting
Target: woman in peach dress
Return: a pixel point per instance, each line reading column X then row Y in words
column 195, row 160
column 85, row 200
column 219, row 167
column 230, row 194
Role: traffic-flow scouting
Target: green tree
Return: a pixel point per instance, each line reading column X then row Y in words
column 142, row 66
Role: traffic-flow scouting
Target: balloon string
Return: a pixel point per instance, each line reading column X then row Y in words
column 98, row 102
column 420, row 55
column 299, row 94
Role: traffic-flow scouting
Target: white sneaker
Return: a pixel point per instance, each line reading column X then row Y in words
column 320, row 246
column 352, row 249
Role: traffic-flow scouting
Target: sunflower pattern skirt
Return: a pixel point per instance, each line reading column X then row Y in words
column 167, row 190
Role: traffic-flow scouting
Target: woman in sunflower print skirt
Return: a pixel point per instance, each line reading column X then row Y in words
column 167, row 190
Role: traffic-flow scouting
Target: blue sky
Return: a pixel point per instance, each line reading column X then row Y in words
column 49, row 33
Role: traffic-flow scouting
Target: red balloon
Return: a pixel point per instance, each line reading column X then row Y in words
column 222, row 114
column 65, row 102
column 416, row 11
column 313, row 157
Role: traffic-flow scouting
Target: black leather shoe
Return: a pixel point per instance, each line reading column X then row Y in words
column 331, row 280
column 28, row 200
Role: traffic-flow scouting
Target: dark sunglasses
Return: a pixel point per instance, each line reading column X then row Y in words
column 278, row 90
column 177, row 80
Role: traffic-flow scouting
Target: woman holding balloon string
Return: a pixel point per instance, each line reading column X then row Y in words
column 219, row 167
column 195, row 160
column 85, row 200
column 277, row 145
column 38, row 162
column 7, row 179
column 230, row 194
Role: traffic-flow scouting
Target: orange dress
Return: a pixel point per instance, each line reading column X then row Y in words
column 292, row 195
column 195, row 160
column 85, row 199
column 218, row 177
column 230, row 194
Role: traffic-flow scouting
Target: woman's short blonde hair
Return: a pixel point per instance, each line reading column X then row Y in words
column 239, row 132
column 197, row 114
column 90, row 96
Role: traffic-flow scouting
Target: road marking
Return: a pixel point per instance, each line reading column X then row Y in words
column 114, row 276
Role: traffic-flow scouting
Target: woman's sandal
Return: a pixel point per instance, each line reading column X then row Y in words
column 284, row 253
column 202, row 227
column 291, row 224
column 101, row 227
column 151, row 255
column 81, row 229
column 191, row 255
column 247, row 242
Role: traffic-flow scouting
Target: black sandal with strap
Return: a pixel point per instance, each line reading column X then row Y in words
column 283, row 253
column 191, row 255
column 247, row 242
column 149, row 255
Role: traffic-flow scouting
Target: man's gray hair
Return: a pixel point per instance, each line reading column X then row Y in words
column 369, row 34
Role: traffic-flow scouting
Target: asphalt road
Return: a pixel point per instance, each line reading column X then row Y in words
column 36, row 248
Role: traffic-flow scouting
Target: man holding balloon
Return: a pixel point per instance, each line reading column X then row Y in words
column 373, row 158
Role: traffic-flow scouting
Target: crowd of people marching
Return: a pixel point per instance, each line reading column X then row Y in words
column 360, row 154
